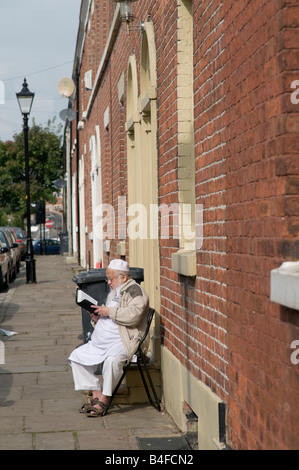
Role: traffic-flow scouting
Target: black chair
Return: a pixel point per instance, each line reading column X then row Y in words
column 141, row 363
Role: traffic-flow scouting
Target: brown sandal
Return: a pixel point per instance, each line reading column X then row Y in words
column 86, row 406
column 92, row 411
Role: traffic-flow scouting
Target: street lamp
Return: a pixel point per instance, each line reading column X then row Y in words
column 126, row 10
column 126, row 14
column 25, row 99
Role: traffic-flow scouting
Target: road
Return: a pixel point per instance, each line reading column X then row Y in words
column 57, row 219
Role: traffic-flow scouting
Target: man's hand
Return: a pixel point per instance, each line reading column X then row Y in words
column 94, row 317
column 100, row 311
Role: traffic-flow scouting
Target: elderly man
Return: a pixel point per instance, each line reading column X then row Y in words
column 118, row 328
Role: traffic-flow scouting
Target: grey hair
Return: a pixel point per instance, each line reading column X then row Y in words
column 126, row 273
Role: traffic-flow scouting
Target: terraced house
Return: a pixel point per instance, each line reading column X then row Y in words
column 183, row 160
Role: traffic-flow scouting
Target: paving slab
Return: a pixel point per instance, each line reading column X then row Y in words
column 39, row 409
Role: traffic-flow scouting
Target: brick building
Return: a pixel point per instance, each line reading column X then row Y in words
column 183, row 160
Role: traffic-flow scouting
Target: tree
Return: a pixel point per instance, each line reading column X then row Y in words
column 45, row 167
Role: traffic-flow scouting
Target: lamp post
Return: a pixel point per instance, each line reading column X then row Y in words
column 25, row 99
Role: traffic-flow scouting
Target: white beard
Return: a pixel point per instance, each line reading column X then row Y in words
column 110, row 296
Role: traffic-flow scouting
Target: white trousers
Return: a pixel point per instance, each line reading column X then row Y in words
column 85, row 378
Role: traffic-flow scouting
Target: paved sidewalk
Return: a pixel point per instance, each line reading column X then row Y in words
column 38, row 406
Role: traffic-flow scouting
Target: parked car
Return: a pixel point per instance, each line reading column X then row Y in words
column 4, row 267
column 15, row 244
column 21, row 236
column 6, row 243
column 52, row 246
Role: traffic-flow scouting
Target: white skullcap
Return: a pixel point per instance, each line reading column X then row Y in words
column 119, row 265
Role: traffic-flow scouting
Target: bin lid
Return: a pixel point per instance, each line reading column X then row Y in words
column 94, row 275
column 137, row 274
column 98, row 275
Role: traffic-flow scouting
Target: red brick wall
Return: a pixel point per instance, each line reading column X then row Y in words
column 173, row 327
column 113, row 138
column 245, row 136
column 222, row 325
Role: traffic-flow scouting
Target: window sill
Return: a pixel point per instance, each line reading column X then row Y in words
column 184, row 262
column 285, row 285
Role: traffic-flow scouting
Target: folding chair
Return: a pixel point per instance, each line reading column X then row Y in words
column 141, row 362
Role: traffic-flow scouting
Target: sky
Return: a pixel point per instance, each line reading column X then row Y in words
column 37, row 41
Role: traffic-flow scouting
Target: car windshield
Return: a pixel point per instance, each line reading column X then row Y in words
column 19, row 233
column 3, row 239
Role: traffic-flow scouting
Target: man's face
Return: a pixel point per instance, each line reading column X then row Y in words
column 114, row 278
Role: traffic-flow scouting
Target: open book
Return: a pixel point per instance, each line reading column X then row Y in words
column 85, row 301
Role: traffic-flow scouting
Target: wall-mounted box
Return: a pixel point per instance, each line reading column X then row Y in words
column 106, row 246
column 121, row 248
column 285, row 285
column 184, row 262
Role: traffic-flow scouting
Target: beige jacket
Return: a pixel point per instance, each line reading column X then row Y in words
column 131, row 314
